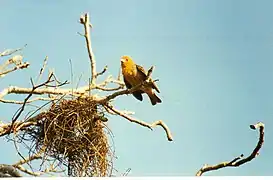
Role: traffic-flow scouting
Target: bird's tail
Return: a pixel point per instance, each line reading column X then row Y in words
column 154, row 98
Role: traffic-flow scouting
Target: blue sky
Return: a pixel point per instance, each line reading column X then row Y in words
column 213, row 59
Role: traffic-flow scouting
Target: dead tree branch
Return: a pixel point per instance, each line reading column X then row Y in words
column 86, row 22
column 28, row 101
column 238, row 160
column 102, row 72
column 21, row 66
column 8, row 52
column 19, row 125
column 8, row 171
column 28, row 159
column 47, row 90
column 39, row 173
column 16, row 60
column 142, row 123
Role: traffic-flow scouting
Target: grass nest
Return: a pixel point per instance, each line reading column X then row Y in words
column 74, row 132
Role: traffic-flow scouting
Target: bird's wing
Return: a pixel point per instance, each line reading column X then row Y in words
column 137, row 94
column 127, row 84
column 143, row 73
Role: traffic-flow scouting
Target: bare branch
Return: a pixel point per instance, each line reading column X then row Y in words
column 39, row 173
column 42, row 69
column 119, row 74
column 38, row 155
column 48, row 90
column 50, row 169
column 80, row 34
column 11, row 51
column 28, row 159
column 102, row 72
column 126, row 172
column 122, row 111
column 86, row 22
column 110, row 79
column 142, row 123
column 126, row 91
column 27, row 98
column 165, row 127
column 238, row 160
column 21, row 66
column 28, row 101
column 4, row 175
column 101, row 86
column 21, row 168
column 108, row 89
column 4, row 128
column 8, row 171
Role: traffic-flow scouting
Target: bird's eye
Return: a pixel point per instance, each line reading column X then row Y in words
column 126, row 59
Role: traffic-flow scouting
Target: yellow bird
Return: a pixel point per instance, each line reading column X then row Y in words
column 133, row 75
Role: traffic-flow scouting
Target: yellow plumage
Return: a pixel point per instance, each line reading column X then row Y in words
column 133, row 75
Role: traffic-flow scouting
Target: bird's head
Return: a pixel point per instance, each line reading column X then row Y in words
column 126, row 61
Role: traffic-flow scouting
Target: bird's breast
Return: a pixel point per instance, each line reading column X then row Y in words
column 129, row 71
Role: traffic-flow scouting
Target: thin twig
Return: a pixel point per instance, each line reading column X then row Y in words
column 238, row 160
column 108, row 89
column 119, row 74
column 28, row 159
column 42, row 69
column 102, row 72
column 27, row 98
column 11, row 51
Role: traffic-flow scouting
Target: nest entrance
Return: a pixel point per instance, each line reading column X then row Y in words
column 73, row 132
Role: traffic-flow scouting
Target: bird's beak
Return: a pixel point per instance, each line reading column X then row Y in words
column 122, row 60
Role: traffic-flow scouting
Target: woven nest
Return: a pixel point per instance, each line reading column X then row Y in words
column 73, row 132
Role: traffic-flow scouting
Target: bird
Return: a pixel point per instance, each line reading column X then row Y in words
column 133, row 75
